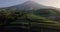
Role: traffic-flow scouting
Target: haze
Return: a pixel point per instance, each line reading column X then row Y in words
column 7, row 3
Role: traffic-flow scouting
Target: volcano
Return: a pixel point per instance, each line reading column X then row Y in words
column 28, row 5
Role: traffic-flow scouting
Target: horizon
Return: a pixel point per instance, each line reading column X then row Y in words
column 8, row 3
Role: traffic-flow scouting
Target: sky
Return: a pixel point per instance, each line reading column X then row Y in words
column 7, row 3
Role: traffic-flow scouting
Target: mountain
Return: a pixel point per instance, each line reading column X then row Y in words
column 28, row 5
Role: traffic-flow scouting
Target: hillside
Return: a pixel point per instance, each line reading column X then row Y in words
column 34, row 19
column 16, row 20
column 46, row 12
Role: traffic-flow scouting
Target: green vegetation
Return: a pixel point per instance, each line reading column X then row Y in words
column 44, row 21
column 37, row 17
column 47, row 12
column 9, row 16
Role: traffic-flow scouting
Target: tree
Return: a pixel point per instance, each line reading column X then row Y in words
column 6, row 17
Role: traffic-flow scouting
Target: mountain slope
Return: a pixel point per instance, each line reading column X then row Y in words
column 46, row 12
column 28, row 5
column 39, row 20
column 36, row 19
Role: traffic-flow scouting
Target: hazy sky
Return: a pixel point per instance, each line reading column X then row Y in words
column 5, row 3
column 55, row 3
